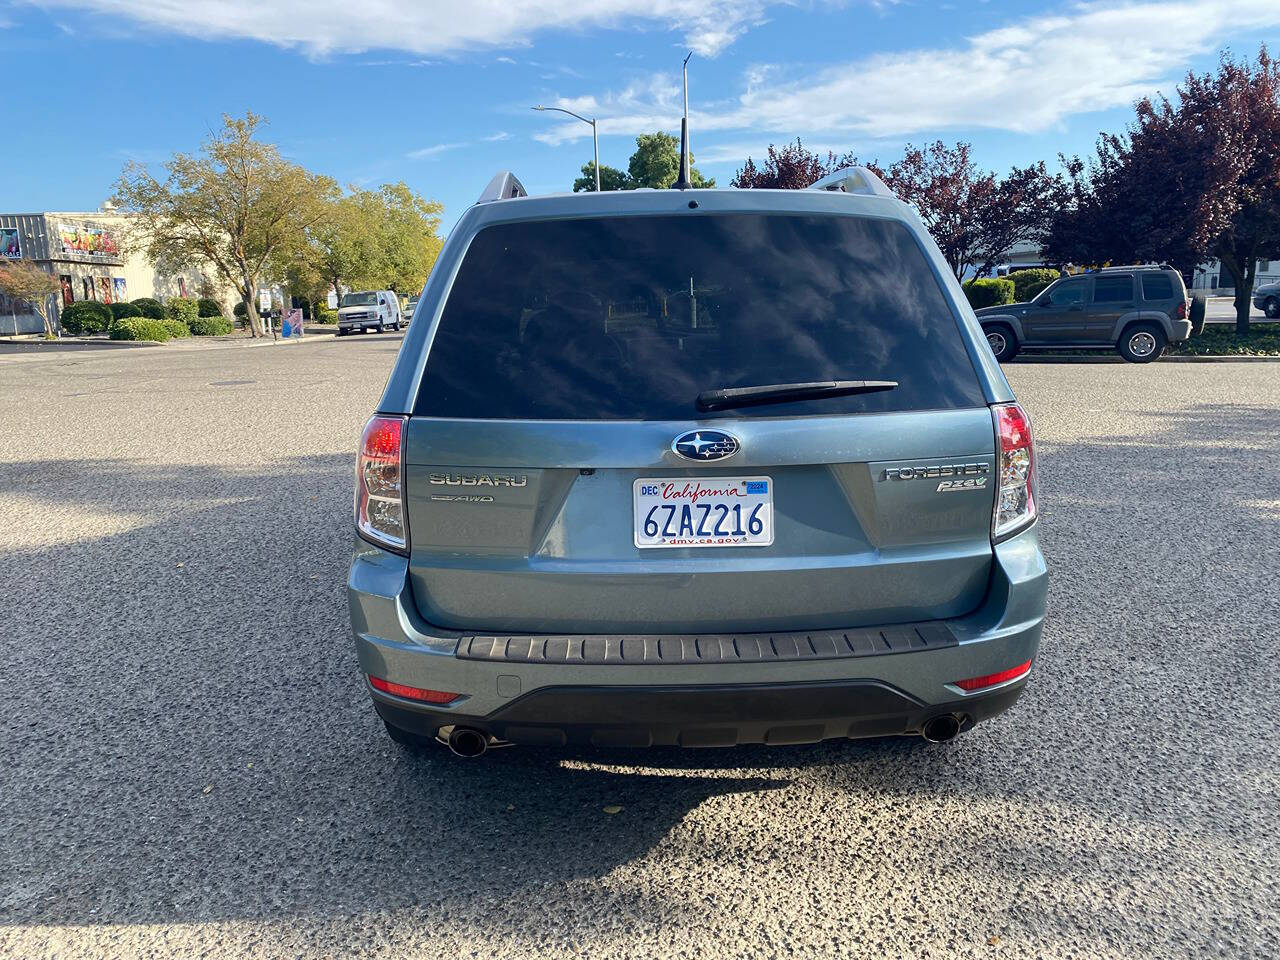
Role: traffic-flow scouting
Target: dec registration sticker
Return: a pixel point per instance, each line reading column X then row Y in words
column 715, row 512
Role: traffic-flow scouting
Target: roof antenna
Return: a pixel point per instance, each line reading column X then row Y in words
column 682, row 181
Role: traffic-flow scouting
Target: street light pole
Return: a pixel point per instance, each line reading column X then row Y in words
column 595, row 140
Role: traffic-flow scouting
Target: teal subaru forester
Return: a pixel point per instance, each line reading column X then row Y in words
column 694, row 467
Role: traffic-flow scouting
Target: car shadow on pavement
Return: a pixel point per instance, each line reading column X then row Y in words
column 189, row 739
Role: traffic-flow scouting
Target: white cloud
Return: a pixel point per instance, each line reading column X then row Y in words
column 497, row 137
column 1025, row 77
column 426, row 153
column 321, row 27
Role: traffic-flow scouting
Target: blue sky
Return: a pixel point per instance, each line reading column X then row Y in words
column 438, row 94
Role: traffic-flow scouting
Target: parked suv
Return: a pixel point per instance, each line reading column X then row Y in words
column 697, row 467
column 1137, row 310
column 1266, row 297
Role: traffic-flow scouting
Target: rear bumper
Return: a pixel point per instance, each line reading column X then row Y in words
column 702, row 716
column 1181, row 331
column 705, row 691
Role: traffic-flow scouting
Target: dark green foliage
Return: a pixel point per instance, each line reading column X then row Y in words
column 240, row 310
column 119, row 310
column 139, row 328
column 208, row 308
column 181, row 309
column 214, row 326
column 85, row 317
column 150, row 307
column 990, row 292
column 1028, row 283
column 177, row 329
column 1221, row 339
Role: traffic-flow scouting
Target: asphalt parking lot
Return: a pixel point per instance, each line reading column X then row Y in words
column 192, row 769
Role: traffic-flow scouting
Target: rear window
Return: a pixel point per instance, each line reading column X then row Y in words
column 630, row 318
column 1157, row 286
column 1113, row 289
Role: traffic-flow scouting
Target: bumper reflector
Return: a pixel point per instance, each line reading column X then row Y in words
column 992, row 679
column 412, row 693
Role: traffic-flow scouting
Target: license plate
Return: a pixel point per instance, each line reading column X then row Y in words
column 714, row 512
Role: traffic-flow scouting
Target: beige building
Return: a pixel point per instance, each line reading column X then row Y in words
column 91, row 255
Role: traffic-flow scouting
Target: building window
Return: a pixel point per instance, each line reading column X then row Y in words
column 68, row 291
column 89, row 292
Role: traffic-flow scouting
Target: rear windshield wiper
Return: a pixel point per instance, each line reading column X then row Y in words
column 731, row 397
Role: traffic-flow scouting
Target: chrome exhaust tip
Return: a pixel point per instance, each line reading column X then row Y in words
column 941, row 728
column 468, row 742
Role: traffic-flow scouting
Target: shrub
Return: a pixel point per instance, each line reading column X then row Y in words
column 325, row 315
column 138, row 328
column 215, row 326
column 119, row 310
column 181, row 309
column 240, row 310
column 208, row 308
column 85, row 317
column 150, row 307
column 177, row 329
column 1028, row 283
column 991, row 292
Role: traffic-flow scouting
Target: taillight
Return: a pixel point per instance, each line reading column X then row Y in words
column 380, row 512
column 1016, row 497
column 994, row 679
column 1182, row 310
column 412, row 693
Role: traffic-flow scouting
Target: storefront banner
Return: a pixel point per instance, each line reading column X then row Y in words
column 10, row 248
column 104, row 289
column 87, row 240
column 117, row 285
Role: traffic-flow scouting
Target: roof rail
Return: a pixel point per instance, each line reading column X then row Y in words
column 1134, row 266
column 503, row 186
column 854, row 180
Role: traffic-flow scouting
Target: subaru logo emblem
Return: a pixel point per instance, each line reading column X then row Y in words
column 705, row 445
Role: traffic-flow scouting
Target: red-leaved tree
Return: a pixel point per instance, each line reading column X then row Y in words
column 1192, row 177
column 974, row 216
column 794, row 167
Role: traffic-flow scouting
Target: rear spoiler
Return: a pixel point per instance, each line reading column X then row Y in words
column 503, row 186
column 853, row 180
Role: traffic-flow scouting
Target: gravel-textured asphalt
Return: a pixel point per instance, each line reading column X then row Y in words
column 191, row 767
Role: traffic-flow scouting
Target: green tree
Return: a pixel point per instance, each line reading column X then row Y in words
column 235, row 206
column 611, row 178
column 655, row 163
column 409, row 238
column 341, row 249
column 25, row 281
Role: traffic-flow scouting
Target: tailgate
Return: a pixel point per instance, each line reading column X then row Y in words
column 529, row 526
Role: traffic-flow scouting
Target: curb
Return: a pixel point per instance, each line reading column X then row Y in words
column 1193, row 358
column 68, row 343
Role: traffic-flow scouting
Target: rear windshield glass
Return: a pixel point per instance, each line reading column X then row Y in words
column 632, row 317
column 1157, row 286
